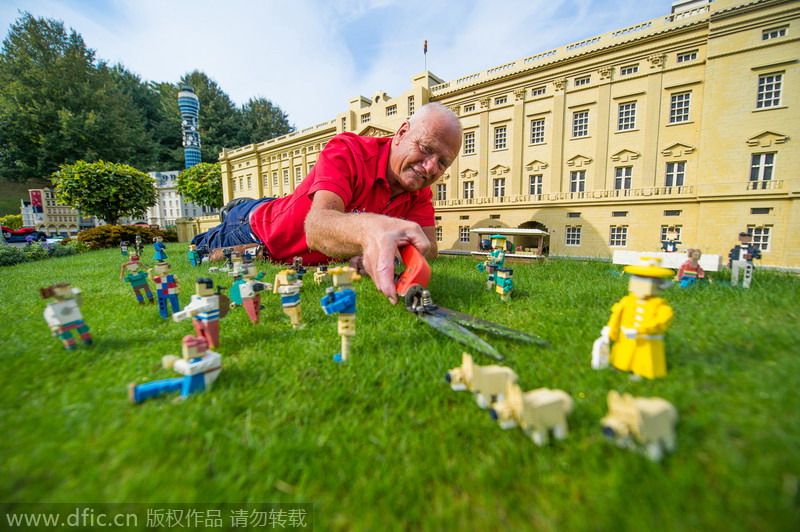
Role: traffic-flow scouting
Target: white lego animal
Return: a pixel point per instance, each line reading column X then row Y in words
column 537, row 412
column 640, row 420
column 488, row 383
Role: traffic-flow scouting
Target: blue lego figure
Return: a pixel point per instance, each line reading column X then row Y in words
column 194, row 256
column 166, row 289
column 504, row 282
column 159, row 246
column 199, row 365
column 496, row 259
column 342, row 302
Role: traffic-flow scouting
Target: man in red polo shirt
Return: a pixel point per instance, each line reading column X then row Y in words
column 364, row 197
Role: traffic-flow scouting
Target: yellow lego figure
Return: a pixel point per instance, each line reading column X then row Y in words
column 288, row 284
column 637, row 324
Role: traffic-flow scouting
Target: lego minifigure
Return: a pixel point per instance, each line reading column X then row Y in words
column 231, row 260
column 537, row 412
column 342, row 302
column 123, row 248
column 159, row 246
column 641, row 420
column 204, row 309
column 487, row 383
column 288, row 285
column 690, row 271
column 246, row 288
column 297, row 265
column 741, row 259
column 670, row 242
column 504, row 282
column 497, row 258
column 321, row 274
column 137, row 277
column 200, row 368
column 137, row 245
column 64, row 316
column 637, row 324
column 167, row 288
column 194, row 256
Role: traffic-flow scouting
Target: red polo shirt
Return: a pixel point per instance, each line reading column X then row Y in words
column 353, row 168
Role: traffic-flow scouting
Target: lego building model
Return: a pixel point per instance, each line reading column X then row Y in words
column 538, row 412
column 63, row 315
column 288, row 285
column 204, row 309
column 639, row 421
column 199, row 366
column 167, row 288
column 741, row 260
column 690, row 271
column 341, row 299
column 637, row 324
column 134, row 272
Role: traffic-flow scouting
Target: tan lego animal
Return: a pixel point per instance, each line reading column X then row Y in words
column 647, row 421
column 537, row 412
column 488, row 383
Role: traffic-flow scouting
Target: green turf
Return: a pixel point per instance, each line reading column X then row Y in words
column 381, row 442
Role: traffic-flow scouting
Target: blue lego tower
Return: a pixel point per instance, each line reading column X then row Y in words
column 189, row 106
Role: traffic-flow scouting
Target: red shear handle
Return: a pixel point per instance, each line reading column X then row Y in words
column 417, row 270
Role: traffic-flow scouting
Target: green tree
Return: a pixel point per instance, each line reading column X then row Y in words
column 12, row 221
column 106, row 190
column 262, row 120
column 202, row 184
column 59, row 105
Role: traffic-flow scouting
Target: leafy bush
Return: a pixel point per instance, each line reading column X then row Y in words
column 12, row 221
column 39, row 250
column 12, row 255
column 109, row 236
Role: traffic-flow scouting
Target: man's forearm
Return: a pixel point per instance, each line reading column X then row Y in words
column 337, row 234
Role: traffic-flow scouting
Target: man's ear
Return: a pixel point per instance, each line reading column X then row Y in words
column 401, row 131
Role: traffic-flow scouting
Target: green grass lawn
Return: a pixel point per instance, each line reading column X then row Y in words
column 381, row 442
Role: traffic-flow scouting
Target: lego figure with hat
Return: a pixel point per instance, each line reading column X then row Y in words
column 741, row 260
column 637, row 324
column 137, row 245
column 321, row 274
column 123, row 248
column 246, row 288
column 199, row 366
column 204, row 309
column 504, row 282
column 497, row 257
column 159, row 246
column 288, row 285
column 134, row 272
column 63, row 315
column 690, row 271
column 194, row 256
column 671, row 240
column 167, row 288
column 342, row 302
column 297, row 265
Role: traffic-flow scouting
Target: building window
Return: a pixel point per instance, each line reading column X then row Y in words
column 464, row 217
column 439, row 233
column 500, row 138
column 761, row 210
column 583, row 81
column 441, row 192
column 627, row 116
column 619, row 214
column 537, row 131
column 391, row 110
column 760, row 236
column 618, row 236
column 538, row 91
column 500, row 100
column 761, row 166
column 469, row 189
column 577, row 181
column 285, row 176
column 535, row 184
column 573, row 235
column 679, row 107
column 573, row 215
column 627, row 70
column 274, row 179
column 265, row 179
column 687, row 56
column 463, row 234
column 298, row 174
column 469, row 143
column 675, row 174
column 469, row 108
column 670, row 229
column 344, row 123
column 365, row 118
column 499, row 187
column 672, row 213
column 769, row 90
column 233, row 185
column 580, row 124
column 622, row 177
column 249, row 183
column 411, row 106
column 494, row 216
column 774, row 33
column 241, row 186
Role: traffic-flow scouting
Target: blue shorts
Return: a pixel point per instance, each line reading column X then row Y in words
column 234, row 231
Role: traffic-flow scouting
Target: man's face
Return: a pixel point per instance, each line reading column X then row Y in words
column 421, row 151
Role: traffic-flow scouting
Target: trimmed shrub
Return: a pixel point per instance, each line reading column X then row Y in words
column 12, row 255
column 109, row 236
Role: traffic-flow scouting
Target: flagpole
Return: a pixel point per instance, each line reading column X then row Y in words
column 425, row 52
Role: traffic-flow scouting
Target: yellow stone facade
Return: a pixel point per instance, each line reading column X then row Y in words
column 689, row 121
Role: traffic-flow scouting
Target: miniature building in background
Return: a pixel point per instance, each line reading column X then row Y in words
column 189, row 105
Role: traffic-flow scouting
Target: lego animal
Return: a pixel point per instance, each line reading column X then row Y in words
column 537, row 412
column 487, row 383
column 649, row 422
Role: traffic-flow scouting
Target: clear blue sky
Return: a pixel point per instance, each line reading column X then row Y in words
column 311, row 56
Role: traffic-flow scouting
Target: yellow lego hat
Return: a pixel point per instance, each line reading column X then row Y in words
column 649, row 267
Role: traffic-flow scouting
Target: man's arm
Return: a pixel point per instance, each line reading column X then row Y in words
column 373, row 236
